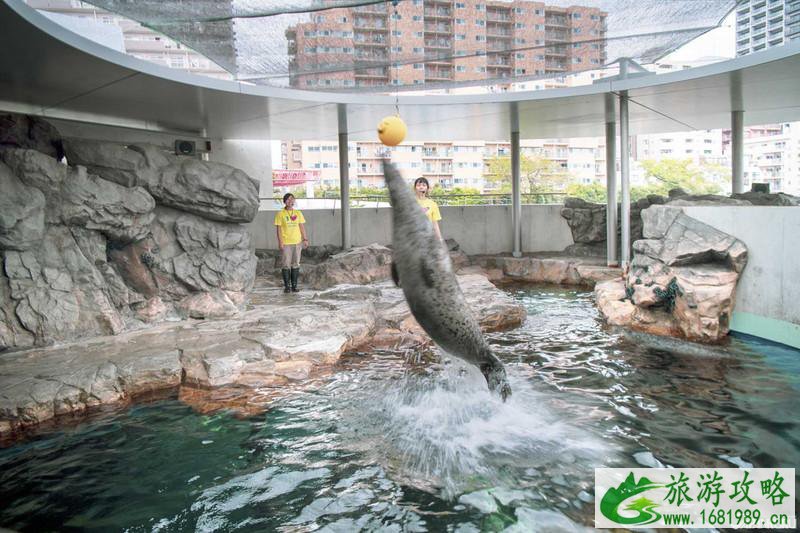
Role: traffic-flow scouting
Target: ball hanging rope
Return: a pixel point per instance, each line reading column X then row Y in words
column 392, row 130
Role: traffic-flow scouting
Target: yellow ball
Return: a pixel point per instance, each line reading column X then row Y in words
column 392, row 130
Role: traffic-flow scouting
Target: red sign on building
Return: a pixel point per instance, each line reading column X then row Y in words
column 284, row 178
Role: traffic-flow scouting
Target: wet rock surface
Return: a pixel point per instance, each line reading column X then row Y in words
column 277, row 340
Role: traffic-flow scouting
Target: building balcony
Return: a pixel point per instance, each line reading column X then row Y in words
column 553, row 65
column 498, row 33
column 556, row 22
column 438, row 28
column 439, row 76
column 438, row 43
column 500, row 18
column 556, row 36
column 438, row 12
column 369, row 24
column 558, row 51
column 369, row 40
column 372, row 73
column 433, row 59
column 379, row 9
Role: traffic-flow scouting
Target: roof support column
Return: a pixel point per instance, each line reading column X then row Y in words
column 625, row 208
column 344, row 175
column 516, row 196
column 737, row 151
column 611, row 183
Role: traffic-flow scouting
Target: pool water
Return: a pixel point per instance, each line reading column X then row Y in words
column 388, row 444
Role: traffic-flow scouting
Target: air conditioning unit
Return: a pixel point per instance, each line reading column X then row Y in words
column 185, row 147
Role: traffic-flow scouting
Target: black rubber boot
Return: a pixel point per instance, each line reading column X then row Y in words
column 295, row 275
column 285, row 274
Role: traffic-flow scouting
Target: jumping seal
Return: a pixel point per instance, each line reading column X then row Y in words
column 421, row 267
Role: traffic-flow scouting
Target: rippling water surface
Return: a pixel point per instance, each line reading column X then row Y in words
column 387, row 445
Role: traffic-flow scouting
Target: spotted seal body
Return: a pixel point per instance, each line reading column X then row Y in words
column 421, row 266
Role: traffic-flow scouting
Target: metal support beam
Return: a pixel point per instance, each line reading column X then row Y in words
column 611, row 189
column 516, row 197
column 624, row 166
column 344, row 175
column 737, row 151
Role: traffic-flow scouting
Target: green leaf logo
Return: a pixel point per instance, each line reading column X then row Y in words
column 615, row 497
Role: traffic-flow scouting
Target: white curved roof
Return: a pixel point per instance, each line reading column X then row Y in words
column 52, row 72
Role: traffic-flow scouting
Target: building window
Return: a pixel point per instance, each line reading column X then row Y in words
column 480, row 23
column 519, row 11
column 519, row 25
column 460, row 21
column 576, row 30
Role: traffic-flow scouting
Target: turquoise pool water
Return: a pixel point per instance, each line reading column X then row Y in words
column 384, row 444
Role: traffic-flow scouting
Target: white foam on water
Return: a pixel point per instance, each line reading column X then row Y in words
column 449, row 432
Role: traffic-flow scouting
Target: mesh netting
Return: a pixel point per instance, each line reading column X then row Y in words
column 342, row 45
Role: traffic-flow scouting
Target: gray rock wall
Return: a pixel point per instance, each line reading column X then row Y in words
column 127, row 234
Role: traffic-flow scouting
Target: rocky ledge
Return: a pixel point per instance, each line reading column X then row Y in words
column 279, row 339
column 682, row 279
column 547, row 268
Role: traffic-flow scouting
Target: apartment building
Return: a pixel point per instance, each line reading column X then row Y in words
column 448, row 164
column 137, row 40
column 772, row 156
column 440, row 41
column 704, row 146
column 762, row 24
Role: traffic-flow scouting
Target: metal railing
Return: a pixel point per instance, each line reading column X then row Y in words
column 464, row 200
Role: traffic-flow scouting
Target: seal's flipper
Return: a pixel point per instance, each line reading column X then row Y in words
column 496, row 378
column 395, row 275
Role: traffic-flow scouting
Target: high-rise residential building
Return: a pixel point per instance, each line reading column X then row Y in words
column 703, row 146
column 762, row 24
column 442, row 41
column 774, row 158
column 138, row 41
column 771, row 151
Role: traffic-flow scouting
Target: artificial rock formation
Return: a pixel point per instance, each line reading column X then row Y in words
column 587, row 222
column 276, row 341
column 682, row 279
column 138, row 236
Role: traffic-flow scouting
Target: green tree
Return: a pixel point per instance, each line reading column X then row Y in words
column 593, row 192
column 671, row 173
column 537, row 174
column 437, row 193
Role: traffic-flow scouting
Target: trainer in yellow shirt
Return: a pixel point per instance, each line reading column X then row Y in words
column 421, row 188
column 291, row 233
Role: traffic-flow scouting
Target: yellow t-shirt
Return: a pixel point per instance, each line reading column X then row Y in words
column 289, row 222
column 430, row 208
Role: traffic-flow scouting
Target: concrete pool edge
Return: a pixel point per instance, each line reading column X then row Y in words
column 767, row 328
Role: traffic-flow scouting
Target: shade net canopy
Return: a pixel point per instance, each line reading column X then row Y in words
column 347, row 45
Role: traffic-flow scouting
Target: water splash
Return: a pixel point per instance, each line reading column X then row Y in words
column 447, row 433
